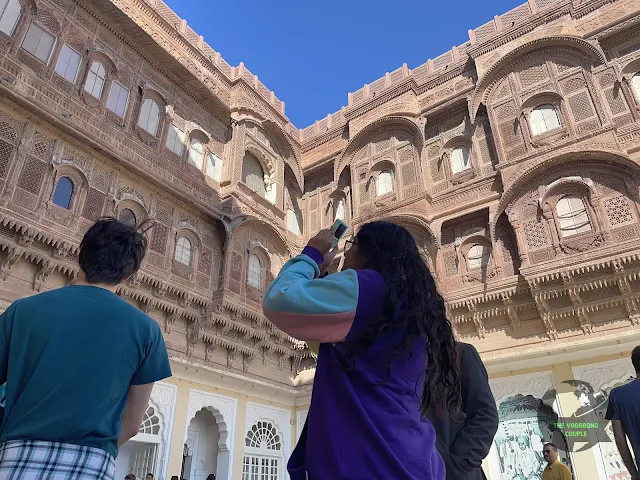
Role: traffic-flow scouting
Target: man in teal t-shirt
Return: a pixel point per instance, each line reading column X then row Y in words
column 80, row 363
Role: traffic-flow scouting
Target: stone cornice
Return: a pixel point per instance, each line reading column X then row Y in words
column 578, row 264
column 441, row 77
column 588, row 7
column 407, row 85
column 508, row 35
column 619, row 32
column 168, row 75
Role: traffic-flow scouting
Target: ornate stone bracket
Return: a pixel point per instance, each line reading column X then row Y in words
column 630, row 304
column 512, row 312
column 13, row 256
column 208, row 351
column 170, row 320
column 550, row 326
column 585, row 321
column 42, row 274
column 246, row 361
column 544, row 311
column 194, row 334
column 477, row 319
column 231, row 357
column 295, row 364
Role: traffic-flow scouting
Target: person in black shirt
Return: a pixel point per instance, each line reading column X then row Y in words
column 464, row 442
column 624, row 413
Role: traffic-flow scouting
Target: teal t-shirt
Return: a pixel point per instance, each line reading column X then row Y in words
column 68, row 357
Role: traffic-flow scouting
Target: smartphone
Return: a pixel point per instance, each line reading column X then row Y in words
column 338, row 229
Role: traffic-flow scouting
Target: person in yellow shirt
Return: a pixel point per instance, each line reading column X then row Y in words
column 555, row 470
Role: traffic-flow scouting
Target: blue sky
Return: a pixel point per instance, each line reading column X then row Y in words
column 311, row 54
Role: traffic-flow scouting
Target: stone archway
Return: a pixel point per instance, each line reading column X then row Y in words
column 221, row 410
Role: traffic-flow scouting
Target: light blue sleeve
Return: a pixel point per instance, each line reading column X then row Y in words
column 296, row 290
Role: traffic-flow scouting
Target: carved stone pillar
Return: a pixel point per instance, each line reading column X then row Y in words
column 521, row 241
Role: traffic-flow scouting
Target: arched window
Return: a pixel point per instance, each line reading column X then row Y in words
column 149, row 116
column 460, row 159
column 254, row 273
column 635, row 86
column 151, row 423
column 127, row 216
column 175, row 140
column 214, row 167
column 10, row 11
column 572, row 216
column 263, row 453
column 96, row 77
column 253, row 174
column 544, row 119
column 293, row 224
column 340, row 210
column 196, row 154
column 183, row 253
column 384, row 183
column 478, row 257
column 63, row 192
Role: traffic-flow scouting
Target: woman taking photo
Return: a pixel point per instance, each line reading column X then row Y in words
column 387, row 353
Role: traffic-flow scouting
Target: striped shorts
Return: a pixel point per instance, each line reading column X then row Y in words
column 38, row 460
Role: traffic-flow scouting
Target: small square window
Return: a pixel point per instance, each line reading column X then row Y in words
column 385, row 183
column 149, row 119
column 10, row 11
column 460, row 160
column 118, row 99
column 39, row 42
column 214, row 167
column 68, row 64
column 175, row 140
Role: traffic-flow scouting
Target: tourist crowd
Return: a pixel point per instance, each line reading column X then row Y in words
column 395, row 395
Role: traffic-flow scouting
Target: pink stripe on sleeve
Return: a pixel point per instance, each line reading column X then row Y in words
column 323, row 328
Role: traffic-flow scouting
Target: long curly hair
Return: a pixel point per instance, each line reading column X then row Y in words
column 412, row 306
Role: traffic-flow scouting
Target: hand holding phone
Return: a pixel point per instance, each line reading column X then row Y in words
column 339, row 228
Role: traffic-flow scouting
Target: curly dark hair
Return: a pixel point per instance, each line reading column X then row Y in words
column 413, row 306
column 111, row 251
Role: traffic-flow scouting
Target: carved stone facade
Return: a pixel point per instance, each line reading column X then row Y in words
column 514, row 160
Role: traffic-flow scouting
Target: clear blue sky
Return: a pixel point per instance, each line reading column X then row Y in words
column 311, row 54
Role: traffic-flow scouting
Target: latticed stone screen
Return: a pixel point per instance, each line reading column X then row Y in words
column 6, row 152
column 204, row 265
column 533, row 75
column 382, row 143
column 573, row 85
column 618, row 210
column 581, row 106
column 408, row 174
column 616, row 101
column 536, row 234
column 32, row 175
column 93, row 204
column 159, row 236
column 450, row 262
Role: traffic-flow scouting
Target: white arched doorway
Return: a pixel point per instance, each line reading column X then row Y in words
column 141, row 454
column 202, row 447
column 209, row 434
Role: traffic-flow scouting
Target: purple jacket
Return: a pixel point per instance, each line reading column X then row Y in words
column 364, row 421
